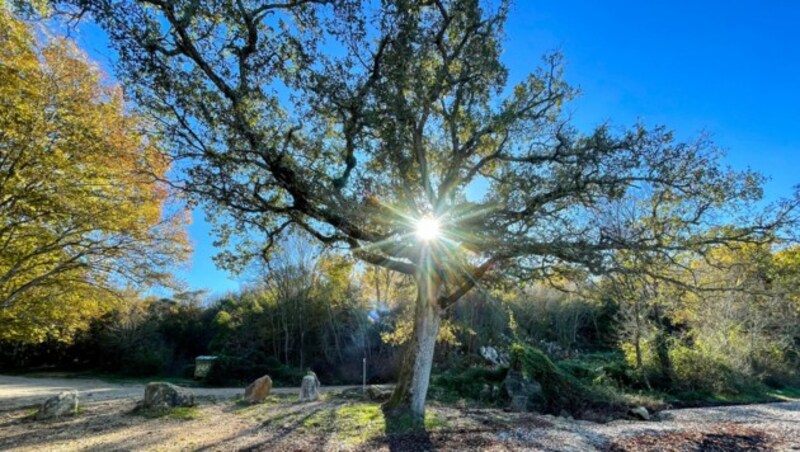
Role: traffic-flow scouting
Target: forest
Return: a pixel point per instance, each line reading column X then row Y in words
column 619, row 337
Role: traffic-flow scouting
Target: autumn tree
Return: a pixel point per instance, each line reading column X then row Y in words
column 392, row 130
column 81, row 212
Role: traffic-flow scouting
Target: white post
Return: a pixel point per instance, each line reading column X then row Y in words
column 364, row 374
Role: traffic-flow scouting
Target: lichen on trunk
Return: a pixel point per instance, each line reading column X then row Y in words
column 408, row 399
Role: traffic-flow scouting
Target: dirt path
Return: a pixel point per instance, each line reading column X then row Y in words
column 18, row 392
column 340, row 423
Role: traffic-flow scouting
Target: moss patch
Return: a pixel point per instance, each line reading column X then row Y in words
column 355, row 423
column 244, row 408
column 561, row 390
column 179, row 413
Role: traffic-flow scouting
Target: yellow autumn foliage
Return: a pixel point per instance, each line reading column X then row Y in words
column 82, row 211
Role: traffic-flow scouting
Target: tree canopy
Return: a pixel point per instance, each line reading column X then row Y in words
column 81, row 210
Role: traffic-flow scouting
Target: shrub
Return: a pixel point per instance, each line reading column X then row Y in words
column 146, row 361
column 608, row 368
column 240, row 371
column 561, row 390
column 469, row 384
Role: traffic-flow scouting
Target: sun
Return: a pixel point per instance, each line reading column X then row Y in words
column 428, row 229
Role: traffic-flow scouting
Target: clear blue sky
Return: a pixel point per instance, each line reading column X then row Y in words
column 730, row 68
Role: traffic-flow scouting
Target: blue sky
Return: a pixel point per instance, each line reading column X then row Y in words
column 730, row 68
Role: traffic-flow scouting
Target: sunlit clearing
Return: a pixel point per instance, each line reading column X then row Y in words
column 428, row 229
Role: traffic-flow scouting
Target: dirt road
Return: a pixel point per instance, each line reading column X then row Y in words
column 18, row 392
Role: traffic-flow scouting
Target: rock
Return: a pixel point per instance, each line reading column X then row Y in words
column 640, row 413
column 166, row 395
column 486, row 392
column 377, row 394
column 258, row 390
column 493, row 356
column 63, row 404
column 519, row 403
column 309, row 389
column 524, row 392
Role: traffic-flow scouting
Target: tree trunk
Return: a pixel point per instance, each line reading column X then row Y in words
column 662, row 348
column 408, row 398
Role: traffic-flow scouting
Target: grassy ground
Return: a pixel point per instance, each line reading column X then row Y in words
column 344, row 422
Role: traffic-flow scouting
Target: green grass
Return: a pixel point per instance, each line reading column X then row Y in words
column 355, row 423
column 244, row 408
column 358, row 423
column 435, row 422
column 184, row 413
column 350, row 424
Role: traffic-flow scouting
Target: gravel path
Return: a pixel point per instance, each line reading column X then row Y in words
column 773, row 426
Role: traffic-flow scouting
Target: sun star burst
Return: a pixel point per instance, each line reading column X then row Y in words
column 428, row 229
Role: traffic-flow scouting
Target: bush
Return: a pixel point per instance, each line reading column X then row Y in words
column 240, row 371
column 698, row 370
column 608, row 368
column 469, row 384
column 561, row 390
column 146, row 361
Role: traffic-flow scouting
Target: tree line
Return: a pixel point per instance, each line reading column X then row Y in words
column 319, row 311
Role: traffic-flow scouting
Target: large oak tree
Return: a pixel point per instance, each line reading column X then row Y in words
column 355, row 120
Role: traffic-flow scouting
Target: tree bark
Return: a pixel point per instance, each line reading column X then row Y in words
column 408, row 398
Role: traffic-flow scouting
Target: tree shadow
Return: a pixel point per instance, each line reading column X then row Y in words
column 44, row 434
column 297, row 416
column 404, row 433
column 787, row 406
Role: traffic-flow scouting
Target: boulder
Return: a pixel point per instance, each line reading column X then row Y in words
column 486, row 392
column 258, row 390
column 523, row 392
column 639, row 413
column 166, row 395
column 519, row 403
column 377, row 394
column 63, row 404
column 309, row 389
column 493, row 356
